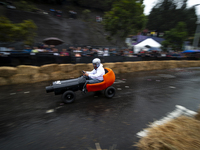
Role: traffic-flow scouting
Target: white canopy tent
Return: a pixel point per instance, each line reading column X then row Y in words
column 141, row 46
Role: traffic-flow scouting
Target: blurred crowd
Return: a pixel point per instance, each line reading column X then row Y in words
column 89, row 51
column 86, row 51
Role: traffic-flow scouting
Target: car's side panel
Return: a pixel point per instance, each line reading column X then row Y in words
column 109, row 79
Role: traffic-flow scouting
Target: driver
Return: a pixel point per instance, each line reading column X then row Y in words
column 96, row 75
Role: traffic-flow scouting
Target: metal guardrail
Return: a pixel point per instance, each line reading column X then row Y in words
column 40, row 59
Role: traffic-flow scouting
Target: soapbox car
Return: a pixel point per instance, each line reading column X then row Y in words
column 68, row 87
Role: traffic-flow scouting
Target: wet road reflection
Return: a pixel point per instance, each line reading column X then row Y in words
column 32, row 119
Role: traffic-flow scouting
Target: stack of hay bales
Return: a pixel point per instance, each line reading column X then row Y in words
column 182, row 133
column 6, row 73
column 32, row 74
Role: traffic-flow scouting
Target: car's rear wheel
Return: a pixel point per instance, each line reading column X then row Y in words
column 68, row 97
column 110, row 92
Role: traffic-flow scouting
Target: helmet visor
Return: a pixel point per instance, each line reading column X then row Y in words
column 94, row 64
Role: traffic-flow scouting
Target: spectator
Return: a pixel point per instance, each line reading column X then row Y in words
column 95, row 53
column 91, row 52
column 55, row 51
column 11, row 48
column 52, row 48
column 46, row 48
column 64, row 52
column 35, row 50
column 126, row 52
column 77, row 54
column 130, row 54
column 77, row 50
column 121, row 53
column 106, row 52
column 85, row 52
column 100, row 51
column 28, row 49
column 113, row 52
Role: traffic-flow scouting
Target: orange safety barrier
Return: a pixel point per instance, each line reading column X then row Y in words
column 109, row 79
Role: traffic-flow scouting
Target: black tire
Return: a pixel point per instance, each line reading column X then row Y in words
column 110, row 92
column 68, row 97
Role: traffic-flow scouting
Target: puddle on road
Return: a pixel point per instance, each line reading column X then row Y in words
column 166, row 76
column 117, row 81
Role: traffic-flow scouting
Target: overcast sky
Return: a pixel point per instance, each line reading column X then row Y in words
column 150, row 3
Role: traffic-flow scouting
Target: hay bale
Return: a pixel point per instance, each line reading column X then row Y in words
column 128, row 64
column 47, row 69
column 39, row 77
column 3, row 81
column 136, row 66
column 197, row 116
column 194, row 63
column 123, row 69
column 20, row 78
column 81, row 67
column 116, row 70
column 142, row 65
column 164, row 65
column 171, row 64
column 74, row 74
column 7, row 71
column 181, row 133
column 66, row 67
column 26, row 69
column 59, row 75
column 154, row 65
column 198, row 63
column 182, row 64
column 149, row 65
column 90, row 67
column 187, row 64
column 109, row 65
column 160, row 65
column 119, row 64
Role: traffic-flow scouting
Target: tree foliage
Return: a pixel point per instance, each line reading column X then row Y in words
column 126, row 17
column 175, row 37
column 167, row 13
column 24, row 31
column 25, row 6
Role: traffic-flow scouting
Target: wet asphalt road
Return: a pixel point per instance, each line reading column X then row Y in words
column 31, row 119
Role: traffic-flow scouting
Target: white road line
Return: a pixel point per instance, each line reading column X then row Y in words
column 172, row 87
column 50, row 111
column 12, row 93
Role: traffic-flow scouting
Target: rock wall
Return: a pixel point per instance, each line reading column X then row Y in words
column 51, row 72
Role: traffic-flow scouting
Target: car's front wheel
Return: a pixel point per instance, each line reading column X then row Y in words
column 68, row 97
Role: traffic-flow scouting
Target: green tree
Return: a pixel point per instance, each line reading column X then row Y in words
column 86, row 14
column 126, row 17
column 167, row 13
column 175, row 37
column 24, row 31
